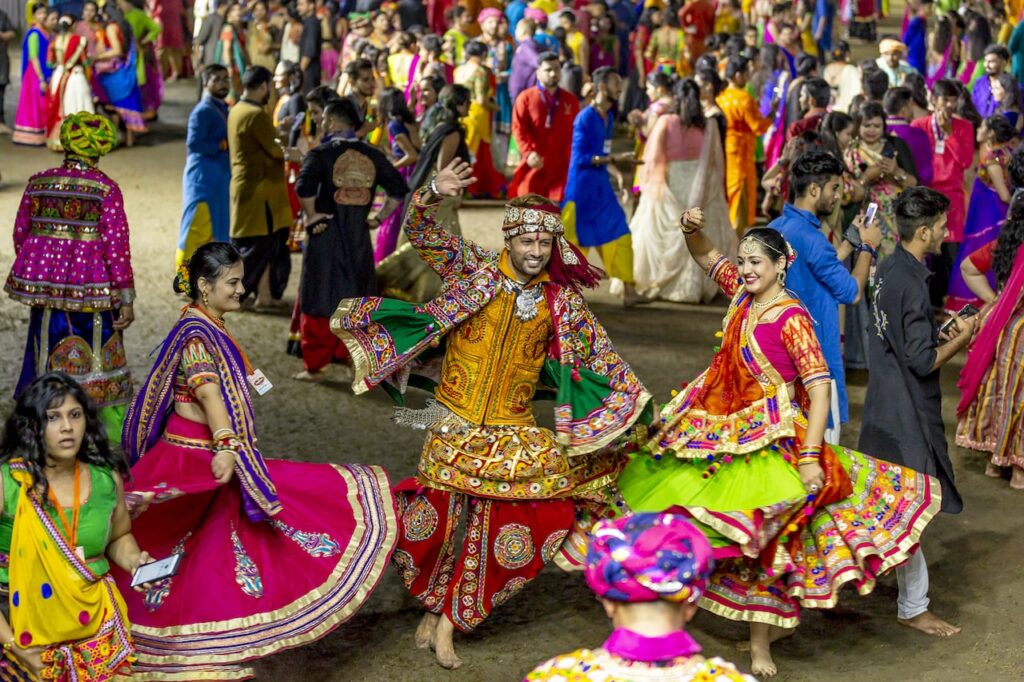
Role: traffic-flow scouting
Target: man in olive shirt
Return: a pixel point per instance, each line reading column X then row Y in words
column 260, row 211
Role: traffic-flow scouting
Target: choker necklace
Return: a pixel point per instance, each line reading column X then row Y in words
column 761, row 307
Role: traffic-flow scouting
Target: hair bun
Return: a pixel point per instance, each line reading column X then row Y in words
column 181, row 281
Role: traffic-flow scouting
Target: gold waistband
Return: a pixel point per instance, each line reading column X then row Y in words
column 197, row 443
column 82, row 233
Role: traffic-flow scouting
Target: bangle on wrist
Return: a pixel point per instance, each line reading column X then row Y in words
column 433, row 187
column 809, row 454
column 867, row 248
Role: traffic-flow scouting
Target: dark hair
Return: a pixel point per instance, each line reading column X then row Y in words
column 979, row 37
column 875, row 84
column 255, row 76
column 834, row 123
column 736, row 65
column 706, row 61
column 1001, row 128
column 449, row 100
column 210, row 70
column 819, row 92
column 547, row 56
column 357, row 66
column 917, row 207
column 711, row 76
column 813, row 167
column 734, row 45
column 207, row 262
column 998, row 50
column 771, row 242
column 806, row 65
column 965, row 104
column 25, row 430
column 1011, row 92
column 570, row 15
column 321, row 95
column 841, row 51
column 474, row 48
column 603, row 75
column 945, row 87
column 344, row 109
column 868, row 111
column 661, row 80
column 431, row 43
column 780, row 8
column 1015, row 169
column 942, row 34
column 915, row 82
column 436, row 82
column 391, row 103
column 687, row 96
column 1009, row 241
column 895, row 99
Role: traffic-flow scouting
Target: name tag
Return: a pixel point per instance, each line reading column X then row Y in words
column 259, row 382
column 940, row 147
column 607, row 146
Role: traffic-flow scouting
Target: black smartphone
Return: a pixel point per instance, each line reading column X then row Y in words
column 967, row 311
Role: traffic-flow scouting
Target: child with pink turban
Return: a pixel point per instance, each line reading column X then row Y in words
column 649, row 570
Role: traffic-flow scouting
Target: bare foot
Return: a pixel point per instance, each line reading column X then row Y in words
column 1017, row 480
column 930, row 624
column 761, row 663
column 425, row 630
column 993, row 471
column 314, row 377
column 775, row 634
column 444, row 648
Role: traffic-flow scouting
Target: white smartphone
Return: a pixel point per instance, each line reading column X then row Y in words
column 869, row 215
column 156, row 570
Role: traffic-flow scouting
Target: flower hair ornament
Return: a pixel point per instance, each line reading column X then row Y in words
column 182, row 279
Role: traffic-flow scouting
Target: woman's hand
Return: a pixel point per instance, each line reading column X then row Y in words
column 31, row 658
column 453, row 178
column 143, row 559
column 813, row 477
column 223, row 465
column 692, row 218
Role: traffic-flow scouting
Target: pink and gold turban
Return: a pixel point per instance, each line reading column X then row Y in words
column 648, row 557
column 568, row 266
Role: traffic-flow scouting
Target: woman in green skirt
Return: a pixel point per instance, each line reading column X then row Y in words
column 740, row 451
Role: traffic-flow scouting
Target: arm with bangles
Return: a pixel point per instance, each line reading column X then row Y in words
column 799, row 339
column 225, row 441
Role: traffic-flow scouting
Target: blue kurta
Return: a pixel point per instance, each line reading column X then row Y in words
column 207, row 176
column 599, row 217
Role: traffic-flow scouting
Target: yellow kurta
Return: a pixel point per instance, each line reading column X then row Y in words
column 745, row 124
column 257, row 173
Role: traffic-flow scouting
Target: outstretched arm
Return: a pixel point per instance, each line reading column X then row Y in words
column 438, row 247
column 701, row 248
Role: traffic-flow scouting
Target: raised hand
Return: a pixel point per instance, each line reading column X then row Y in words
column 692, row 219
column 453, row 178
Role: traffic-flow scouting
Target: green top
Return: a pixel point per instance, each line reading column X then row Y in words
column 93, row 519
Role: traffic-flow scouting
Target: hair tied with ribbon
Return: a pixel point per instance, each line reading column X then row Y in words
column 182, row 281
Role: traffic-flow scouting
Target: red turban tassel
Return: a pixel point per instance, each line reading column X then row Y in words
column 582, row 274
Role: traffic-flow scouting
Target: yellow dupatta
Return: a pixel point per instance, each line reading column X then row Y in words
column 58, row 603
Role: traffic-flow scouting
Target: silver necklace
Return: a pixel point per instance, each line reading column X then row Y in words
column 526, row 300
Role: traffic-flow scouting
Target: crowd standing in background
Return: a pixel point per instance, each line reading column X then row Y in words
column 857, row 216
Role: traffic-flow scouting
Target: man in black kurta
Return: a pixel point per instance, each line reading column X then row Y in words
column 902, row 420
column 336, row 187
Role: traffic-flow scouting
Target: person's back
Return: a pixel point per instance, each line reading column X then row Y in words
column 246, row 140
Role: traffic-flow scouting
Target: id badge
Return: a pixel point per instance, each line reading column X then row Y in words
column 940, row 146
column 259, row 382
column 607, row 147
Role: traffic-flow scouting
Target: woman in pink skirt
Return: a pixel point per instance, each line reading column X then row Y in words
column 30, row 121
column 276, row 553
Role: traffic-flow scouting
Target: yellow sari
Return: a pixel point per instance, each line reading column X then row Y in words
column 58, row 603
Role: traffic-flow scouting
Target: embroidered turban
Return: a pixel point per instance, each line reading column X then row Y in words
column 89, row 135
column 648, row 557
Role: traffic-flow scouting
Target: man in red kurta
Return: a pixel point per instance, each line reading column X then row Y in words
column 697, row 18
column 542, row 126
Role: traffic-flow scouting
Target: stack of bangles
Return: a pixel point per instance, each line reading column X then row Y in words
column 686, row 227
column 225, row 440
column 809, row 454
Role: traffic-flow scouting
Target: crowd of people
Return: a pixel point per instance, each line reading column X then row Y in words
column 856, row 216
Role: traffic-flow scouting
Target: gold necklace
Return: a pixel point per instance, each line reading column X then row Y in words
column 761, row 307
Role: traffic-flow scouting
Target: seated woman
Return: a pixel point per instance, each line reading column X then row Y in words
column 63, row 521
column 740, row 453
column 648, row 570
column 276, row 553
column 991, row 392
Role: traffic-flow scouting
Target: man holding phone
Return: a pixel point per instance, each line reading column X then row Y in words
column 902, row 420
column 818, row 277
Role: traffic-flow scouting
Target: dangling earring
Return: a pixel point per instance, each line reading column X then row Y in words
column 206, row 299
column 781, row 278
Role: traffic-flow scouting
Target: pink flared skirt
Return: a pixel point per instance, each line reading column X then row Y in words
column 30, row 120
column 249, row 589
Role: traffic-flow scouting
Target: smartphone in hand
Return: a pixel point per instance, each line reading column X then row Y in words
column 967, row 311
column 869, row 215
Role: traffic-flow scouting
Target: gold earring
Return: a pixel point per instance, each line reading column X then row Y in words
column 781, row 278
column 206, row 300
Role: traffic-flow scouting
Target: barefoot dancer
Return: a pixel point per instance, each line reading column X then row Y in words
column 791, row 520
column 507, row 318
column 902, row 419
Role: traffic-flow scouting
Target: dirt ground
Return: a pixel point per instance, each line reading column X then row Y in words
column 974, row 556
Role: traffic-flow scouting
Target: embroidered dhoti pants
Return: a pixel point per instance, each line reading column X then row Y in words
column 506, row 545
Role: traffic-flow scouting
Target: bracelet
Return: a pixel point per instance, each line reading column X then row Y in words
column 229, row 443
column 433, row 187
column 867, row 248
column 222, row 433
column 809, row 454
column 127, row 296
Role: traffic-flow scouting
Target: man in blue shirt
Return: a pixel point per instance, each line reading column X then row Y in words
column 206, row 205
column 817, row 277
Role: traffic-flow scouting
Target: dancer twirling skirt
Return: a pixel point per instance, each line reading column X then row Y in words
column 740, row 451
column 276, row 553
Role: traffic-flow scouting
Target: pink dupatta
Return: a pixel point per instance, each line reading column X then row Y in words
column 979, row 357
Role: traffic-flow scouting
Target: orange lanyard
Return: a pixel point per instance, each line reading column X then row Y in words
column 70, row 528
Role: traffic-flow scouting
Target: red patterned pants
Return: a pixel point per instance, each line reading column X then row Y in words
column 506, row 546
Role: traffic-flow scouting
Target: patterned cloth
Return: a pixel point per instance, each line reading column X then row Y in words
column 586, row 665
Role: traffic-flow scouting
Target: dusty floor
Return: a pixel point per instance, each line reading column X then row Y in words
column 975, row 557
